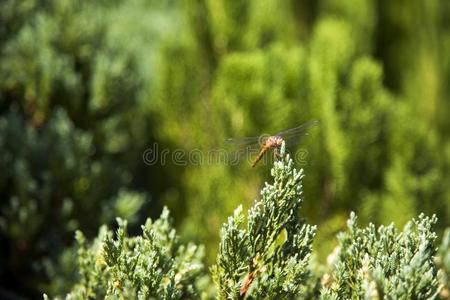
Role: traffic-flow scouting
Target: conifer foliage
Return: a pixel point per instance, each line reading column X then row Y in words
column 382, row 263
column 266, row 255
column 153, row 265
column 87, row 87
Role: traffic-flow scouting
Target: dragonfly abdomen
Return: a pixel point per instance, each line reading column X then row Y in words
column 260, row 155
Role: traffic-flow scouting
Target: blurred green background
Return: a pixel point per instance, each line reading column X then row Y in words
column 87, row 86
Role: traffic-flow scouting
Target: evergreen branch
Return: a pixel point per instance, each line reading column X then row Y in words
column 268, row 258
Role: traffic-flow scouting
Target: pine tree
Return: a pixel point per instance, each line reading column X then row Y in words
column 86, row 87
column 266, row 255
column 154, row 265
column 382, row 263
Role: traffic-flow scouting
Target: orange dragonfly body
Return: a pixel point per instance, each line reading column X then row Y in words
column 272, row 142
column 267, row 142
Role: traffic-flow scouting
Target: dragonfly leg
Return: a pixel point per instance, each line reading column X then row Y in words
column 276, row 153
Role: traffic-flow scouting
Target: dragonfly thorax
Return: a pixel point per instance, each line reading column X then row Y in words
column 274, row 141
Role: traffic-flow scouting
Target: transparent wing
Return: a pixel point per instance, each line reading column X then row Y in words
column 243, row 141
column 298, row 131
column 291, row 136
column 297, row 135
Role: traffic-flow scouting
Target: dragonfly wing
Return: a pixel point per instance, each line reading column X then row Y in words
column 298, row 130
column 291, row 136
column 243, row 141
column 297, row 135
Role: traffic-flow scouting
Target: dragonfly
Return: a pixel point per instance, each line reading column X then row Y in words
column 267, row 142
